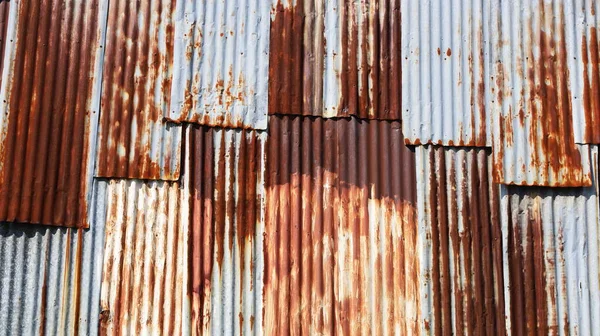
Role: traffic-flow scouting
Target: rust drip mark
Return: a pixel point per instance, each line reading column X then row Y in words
column 449, row 52
column 591, row 87
column 439, row 51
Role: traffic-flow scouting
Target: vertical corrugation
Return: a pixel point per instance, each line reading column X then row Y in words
column 226, row 175
column 445, row 60
column 134, row 141
column 49, row 93
column 531, row 97
column 551, row 259
column 462, row 242
column 4, row 11
column 341, row 231
column 50, row 277
column 335, row 59
column 143, row 279
column 221, row 63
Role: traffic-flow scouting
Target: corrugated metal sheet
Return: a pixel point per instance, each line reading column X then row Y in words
column 49, row 93
column 445, row 47
column 4, row 11
column 460, row 242
column 340, row 240
column 144, row 279
column 221, row 63
column 335, row 59
column 50, row 277
column 531, row 99
column 226, row 176
column 133, row 140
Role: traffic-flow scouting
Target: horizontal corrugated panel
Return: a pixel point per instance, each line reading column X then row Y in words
column 50, row 277
column 445, row 47
column 134, row 141
column 226, row 178
column 144, row 277
column 335, row 59
column 460, row 242
column 531, row 100
column 551, row 256
column 221, row 63
column 50, row 92
column 341, row 229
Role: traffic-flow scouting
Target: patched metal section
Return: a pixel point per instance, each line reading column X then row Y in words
column 221, row 57
column 226, row 177
column 134, row 141
column 144, row 276
column 50, row 277
column 445, row 60
column 341, row 228
column 50, row 100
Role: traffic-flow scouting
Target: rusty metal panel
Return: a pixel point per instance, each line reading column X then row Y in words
column 335, row 59
column 341, row 228
column 460, row 242
column 50, row 95
column 531, row 98
column 144, row 277
column 134, row 141
column 445, row 48
column 4, row 11
column 50, row 277
column 221, row 63
column 226, row 177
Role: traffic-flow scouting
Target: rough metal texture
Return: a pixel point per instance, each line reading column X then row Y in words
column 226, row 178
column 144, row 277
column 49, row 96
column 460, row 243
column 340, row 242
column 445, row 66
column 221, row 63
column 4, row 11
column 50, row 277
column 531, row 99
column 134, row 141
column 335, row 58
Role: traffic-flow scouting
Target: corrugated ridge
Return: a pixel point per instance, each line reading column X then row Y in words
column 335, row 59
column 226, row 174
column 48, row 128
column 445, row 46
column 341, row 253
column 134, row 142
column 144, row 283
column 221, row 63
column 50, row 277
column 4, row 11
column 462, row 246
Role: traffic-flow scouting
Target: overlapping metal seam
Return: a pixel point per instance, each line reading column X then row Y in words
column 134, row 141
column 445, row 60
column 226, row 178
column 335, row 59
column 341, row 236
column 50, row 110
column 220, row 69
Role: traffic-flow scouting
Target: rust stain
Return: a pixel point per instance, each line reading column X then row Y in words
column 449, row 52
column 591, row 86
column 439, row 51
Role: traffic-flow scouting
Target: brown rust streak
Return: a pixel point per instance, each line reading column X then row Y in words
column 591, row 86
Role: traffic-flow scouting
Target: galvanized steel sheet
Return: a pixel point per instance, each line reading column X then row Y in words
column 341, row 231
column 50, row 94
column 335, row 58
column 221, row 57
column 445, row 60
column 134, row 141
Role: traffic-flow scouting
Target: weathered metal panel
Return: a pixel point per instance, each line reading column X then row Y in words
column 50, row 93
column 341, row 229
column 531, row 98
column 445, row 48
column 50, row 277
column 226, row 177
column 221, row 63
column 144, row 277
column 460, row 243
column 551, row 256
column 335, row 59
column 134, row 141
column 4, row 11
